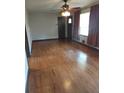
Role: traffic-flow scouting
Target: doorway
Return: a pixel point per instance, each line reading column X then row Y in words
column 69, row 27
column 61, row 27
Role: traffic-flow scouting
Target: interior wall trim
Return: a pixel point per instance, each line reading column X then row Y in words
column 44, row 40
column 94, row 48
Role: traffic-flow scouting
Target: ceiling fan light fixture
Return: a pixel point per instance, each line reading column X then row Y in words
column 65, row 11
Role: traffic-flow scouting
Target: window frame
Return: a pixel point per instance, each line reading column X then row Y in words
column 88, row 11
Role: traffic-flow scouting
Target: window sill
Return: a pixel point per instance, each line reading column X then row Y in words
column 83, row 35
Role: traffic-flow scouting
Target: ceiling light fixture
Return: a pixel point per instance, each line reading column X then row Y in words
column 65, row 9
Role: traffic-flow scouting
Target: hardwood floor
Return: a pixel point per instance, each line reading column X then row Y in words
column 63, row 67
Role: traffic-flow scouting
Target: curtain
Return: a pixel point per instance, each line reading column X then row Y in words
column 93, row 37
column 76, row 21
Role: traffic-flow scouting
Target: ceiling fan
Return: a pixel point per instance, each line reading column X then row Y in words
column 65, row 6
column 66, row 11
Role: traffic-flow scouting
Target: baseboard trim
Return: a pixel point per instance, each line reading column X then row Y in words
column 87, row 45
column 27, row 83
column 96, row 49
column 44, row 40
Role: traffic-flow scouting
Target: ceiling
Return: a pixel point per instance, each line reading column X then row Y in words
column 55, row 5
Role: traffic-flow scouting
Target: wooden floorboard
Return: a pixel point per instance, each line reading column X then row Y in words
column 63, row 67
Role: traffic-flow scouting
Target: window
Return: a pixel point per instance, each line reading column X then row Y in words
column 84, row 23
column 69, row 21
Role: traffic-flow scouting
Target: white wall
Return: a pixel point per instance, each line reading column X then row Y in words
column 43, row 26
column 28, row 30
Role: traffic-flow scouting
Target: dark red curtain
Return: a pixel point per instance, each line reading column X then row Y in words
column 76, row 21
column 93, row 37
